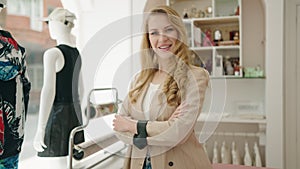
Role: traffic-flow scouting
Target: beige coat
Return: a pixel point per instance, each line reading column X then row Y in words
column 172, row 144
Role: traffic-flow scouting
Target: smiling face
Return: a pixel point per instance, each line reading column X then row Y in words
column 162, row 35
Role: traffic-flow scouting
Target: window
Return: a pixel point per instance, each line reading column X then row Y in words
column 29, row 8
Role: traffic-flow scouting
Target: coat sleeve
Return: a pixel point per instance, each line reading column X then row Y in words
column 125, row 110
column 171, row 133
column 126, row 137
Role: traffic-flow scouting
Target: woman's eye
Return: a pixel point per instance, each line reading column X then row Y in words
column 153, row 33
column 170, row 30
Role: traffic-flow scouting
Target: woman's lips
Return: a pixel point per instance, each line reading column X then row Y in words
column 165, row 48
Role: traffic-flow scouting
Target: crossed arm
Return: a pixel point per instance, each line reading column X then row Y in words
column 138, row 127
column 126, row 124
column 176, row 128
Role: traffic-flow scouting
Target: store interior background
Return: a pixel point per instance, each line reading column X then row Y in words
column 95, row 16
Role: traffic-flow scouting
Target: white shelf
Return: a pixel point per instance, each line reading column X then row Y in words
column 213, row 20
column 226, row 77
column 187, row 20
column 217, row 20
column 227, row 47
column 216, row 47
column 234, row 119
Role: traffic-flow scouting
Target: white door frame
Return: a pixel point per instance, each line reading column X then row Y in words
column 292, row 82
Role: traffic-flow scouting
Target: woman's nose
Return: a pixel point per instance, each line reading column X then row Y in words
column 162, row 37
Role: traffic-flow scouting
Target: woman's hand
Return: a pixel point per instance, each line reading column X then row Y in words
column 124, row 124
column 180, row 110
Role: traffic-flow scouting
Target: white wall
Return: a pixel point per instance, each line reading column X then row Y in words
column 253, row 37
column 102, row 32
column 291, row 82
column 274, row 82
column 137, row 10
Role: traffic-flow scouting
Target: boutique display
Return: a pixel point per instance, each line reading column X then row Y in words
column 231, row 155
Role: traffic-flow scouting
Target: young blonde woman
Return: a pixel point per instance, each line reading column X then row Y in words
column 158, row 116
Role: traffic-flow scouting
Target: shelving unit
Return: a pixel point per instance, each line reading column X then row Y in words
column 221, row 60
column 220, row 57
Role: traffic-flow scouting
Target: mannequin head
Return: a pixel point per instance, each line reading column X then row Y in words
column 63, row 16
column 3, row 4
column 58, row 30
column 61, row 21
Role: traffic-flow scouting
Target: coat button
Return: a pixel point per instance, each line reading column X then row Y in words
column 171, row 164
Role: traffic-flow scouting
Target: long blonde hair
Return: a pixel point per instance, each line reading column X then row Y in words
column 174, row 85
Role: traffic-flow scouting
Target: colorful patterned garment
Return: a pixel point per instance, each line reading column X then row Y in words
column 147, row 163
column 14, row 95
column 8, row 71
column 10, row 162
column 11, row 55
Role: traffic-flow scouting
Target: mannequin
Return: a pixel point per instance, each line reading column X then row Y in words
column 225, row 154
column 236, row 159
column 205, row 149
column 257, row 161
column 247, row 156
column 14, row 95
column 57, row 102
column 216, row 158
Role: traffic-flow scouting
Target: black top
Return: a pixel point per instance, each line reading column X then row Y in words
column 67, row 79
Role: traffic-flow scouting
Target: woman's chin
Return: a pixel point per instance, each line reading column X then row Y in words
column 165, row 54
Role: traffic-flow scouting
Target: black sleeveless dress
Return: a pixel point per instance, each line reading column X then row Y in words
column 66, row 112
